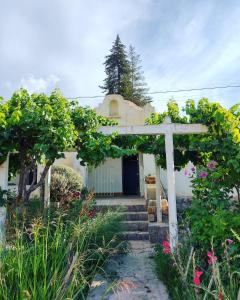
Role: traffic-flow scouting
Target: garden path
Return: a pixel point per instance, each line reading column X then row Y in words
column 130, row 276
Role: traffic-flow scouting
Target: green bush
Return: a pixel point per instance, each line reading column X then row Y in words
column 212, row 213
column 216, row 225
column 58, row 256
column 64, row 183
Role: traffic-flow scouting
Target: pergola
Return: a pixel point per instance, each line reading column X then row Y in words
column 168, row 129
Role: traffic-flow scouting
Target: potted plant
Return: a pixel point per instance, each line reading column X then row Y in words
column 149, row 179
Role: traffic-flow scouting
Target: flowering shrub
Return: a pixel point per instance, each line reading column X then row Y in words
column 212, row 213
column 66, row 185
column 188, row 276
column 206, row 266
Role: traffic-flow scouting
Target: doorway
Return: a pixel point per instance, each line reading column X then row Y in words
column 130, row 175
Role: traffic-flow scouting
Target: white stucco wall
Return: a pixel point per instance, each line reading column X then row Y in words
column 183, row 183
column 67, row 161
column 128, row 112
column 4, row 174
column 106, row 178
column 149, row 164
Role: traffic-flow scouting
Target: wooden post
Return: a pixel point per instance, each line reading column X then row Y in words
column 172, row 207
column 4, row 174
column 158, row 193
column 47, row 189
column 45, row 192
column 3, row 210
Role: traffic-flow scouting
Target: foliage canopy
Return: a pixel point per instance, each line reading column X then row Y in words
column 40, row 128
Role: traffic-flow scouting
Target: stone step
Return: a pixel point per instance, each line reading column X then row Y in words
column 127, row 208
column 135, row 216
column 136, row 208
column 135, row 225
column 136, row 235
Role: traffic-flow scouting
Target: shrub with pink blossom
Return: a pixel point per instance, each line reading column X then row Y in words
column 189, row 275
column 207, row 265
column 212, row 213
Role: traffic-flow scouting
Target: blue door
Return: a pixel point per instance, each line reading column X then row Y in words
column 130, row 175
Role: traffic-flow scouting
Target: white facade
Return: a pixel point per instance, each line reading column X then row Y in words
column 107, row 178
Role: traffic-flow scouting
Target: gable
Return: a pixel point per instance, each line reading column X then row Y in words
column 124, row 111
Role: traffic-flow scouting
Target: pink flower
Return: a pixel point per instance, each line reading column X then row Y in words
column 92, row 213
column 203, row 174
column 186, row 173
column 166, row 247
column 229, row 241
column 211, row 257
column 76, row 194
column 193, row 169
column 197, row 275
column 220, row 295
column 212, row 165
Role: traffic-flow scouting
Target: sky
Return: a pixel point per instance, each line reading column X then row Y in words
column 183, row 44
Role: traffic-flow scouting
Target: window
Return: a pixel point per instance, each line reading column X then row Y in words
column 113, row 108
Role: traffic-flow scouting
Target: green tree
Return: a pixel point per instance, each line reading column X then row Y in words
column 222, row 143
column 39, row 128
column 117, row 70
column 138, row 88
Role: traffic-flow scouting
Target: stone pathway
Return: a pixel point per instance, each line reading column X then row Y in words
column 130, row 276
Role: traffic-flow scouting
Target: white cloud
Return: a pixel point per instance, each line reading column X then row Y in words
column 39, row 85
column 183, row 44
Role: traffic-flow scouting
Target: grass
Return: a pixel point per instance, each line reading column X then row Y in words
column 57, row 256
column 220, row 279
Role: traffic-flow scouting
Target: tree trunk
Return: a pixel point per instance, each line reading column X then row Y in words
column 21, row 182
column 33, row 186
column 238, row 192
column 24, row 193
column 42, row 192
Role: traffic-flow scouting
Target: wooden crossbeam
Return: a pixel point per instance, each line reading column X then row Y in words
column 154, row 129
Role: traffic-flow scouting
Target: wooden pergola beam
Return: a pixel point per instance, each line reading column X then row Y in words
column 167, row 129
column 161, row 129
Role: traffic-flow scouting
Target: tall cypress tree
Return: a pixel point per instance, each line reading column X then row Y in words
column 117, row 70
column 124, row 74
column 137, row 89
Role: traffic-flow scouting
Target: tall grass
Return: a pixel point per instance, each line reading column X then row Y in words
column 56, row 257
column 219, row 278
